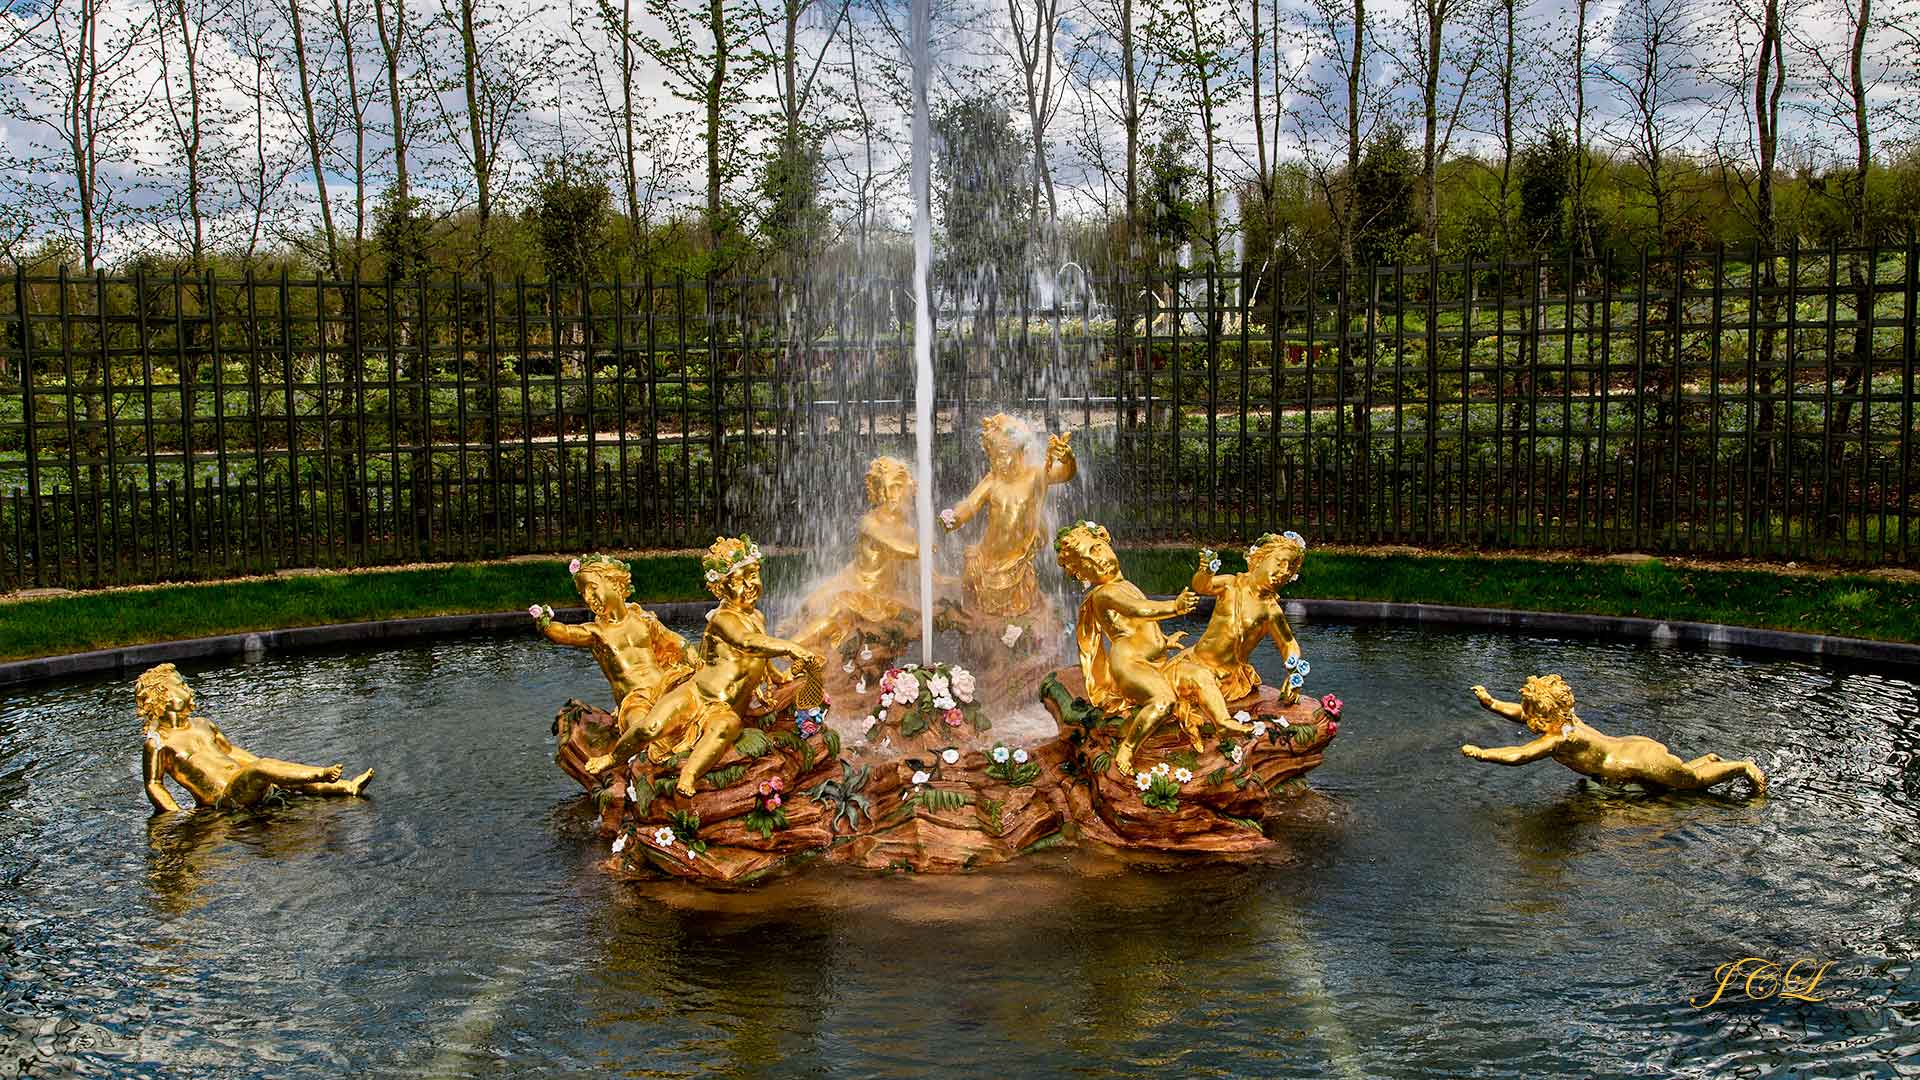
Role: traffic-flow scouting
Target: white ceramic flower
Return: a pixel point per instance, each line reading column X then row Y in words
column 1143, row 781
column 860, row 687
column 1011, row 634
column 963, row 684
column 906, row 688
column 886, row 742
column 713, row 575
column 1162, row 769
column 1239, row 754
column 1019, row 757
column 632, row 795
column 1284, row 722
column 949, row 755
column 921, row 776
column 533, row 611
column 945, row 703
column 1260, row 727
column 1213, row 566
column 939, row 686
column 847, row 667
column 619, row 843
column 948, row 517
column 663, row 836
column 866, row 653
column 1184, row 776
column 1000, row 755
column 1243, row 716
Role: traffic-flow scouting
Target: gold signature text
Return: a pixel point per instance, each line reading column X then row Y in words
column 1760, row 979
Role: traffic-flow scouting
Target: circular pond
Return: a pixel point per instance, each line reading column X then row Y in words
column 1443, row 918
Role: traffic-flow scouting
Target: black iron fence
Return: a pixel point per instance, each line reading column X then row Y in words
column 1717, row 402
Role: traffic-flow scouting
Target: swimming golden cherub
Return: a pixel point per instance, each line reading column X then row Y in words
column 1546, row 707
column 872, row 589
column 1000, row 578
column 193, row 752
column 1134, row 676
column 703, row 715
column 640, row 657
column 1248, row 611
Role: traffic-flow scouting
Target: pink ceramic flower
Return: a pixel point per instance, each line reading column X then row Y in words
column 1331, row 704
column 534, row 610
column 765, row 788
column 573, row 567
column 778, row 784
column 773, row 803
column 953, row 717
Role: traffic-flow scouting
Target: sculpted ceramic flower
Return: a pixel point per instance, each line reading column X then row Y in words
column 847, row 667
column 939, row 686
column 1213, row 566
column 949, row 755
column 573, row 567
column 906, row 688
column 1162, row 769
column 632, row 795
column 963, row 684
column 765, row 788
column 1183, row 775
column 860, row 687
column 1304, row 668
column 773, row 803
column 1239, row 754
column 1011, row 634
column 619, row 843
column 663, row 836
column 921, row 776
column 1284, row 722
column 1143, row 781
column 866, row 653
column 1293, row 663
column 1259, row 727
column 1331, row 704
column 534, row 611
column 948, row 517
column 1000, row 755
column 1019, row 757
column 944, row 703
column 953, row 717
column 778, row 784
column 1243, row 716
column 1295, row 681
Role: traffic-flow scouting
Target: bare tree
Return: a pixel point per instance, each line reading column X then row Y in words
column 1443, row 67
column 1036, row 26
column 1118, row 72
column 1337, row 104
column 502, row 65
column 312, row 137
column 1652, row 63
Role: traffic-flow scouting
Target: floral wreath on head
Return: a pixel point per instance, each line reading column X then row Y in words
column 1274, row 538
column 597, row 559
column 719, row 567
column 1094, row 528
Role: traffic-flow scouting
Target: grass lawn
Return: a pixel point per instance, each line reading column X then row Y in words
column 1853, row 606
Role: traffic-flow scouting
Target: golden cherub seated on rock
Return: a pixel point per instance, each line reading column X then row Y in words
column 1000, row 577
column 1546, row 707
column 871, row 592
column 1133, row 676
column 640, row 657
column 193, row 752
column 1247, row 610
column 702, row 716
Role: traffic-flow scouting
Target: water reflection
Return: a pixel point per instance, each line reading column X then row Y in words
column 1427, row 917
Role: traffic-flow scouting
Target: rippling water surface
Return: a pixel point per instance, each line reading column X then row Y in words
column 1447, row 918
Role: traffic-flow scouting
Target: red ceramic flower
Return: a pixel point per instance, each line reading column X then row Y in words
column 1331, row 704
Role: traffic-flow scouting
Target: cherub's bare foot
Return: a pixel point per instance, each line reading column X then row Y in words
column 1231, row 724
column 359, row 783
column 1123, row 759
column 329, row 774
column 683, row 790
column 1757, row 778
column 597, row 766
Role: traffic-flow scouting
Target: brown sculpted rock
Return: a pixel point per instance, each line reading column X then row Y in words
column 923, row 814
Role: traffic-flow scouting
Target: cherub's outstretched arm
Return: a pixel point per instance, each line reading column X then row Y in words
column 1514, row 755
column 1139, row 607
column 1511, row 710
column 964, row 510
column 732, row 631
column 157, row 793
column 1207, row 583
column 1282, row 634
column 576, row 637
column 1061, row 466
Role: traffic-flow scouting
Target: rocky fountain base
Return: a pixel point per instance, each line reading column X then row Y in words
column 790, row 791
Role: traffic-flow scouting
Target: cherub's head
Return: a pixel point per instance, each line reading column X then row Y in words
column 889, row 483
column 1005, row 439
column 1546, row 702
column 158, row 691
column 1085, row 551
column 1275, row 559
column 732, row 569
column 604, row 583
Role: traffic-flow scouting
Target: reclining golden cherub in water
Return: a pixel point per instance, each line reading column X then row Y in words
column 1133, row 676
column 703, row 715
column 640, row 657
column 1546, row 707
column 872, row 589
column 194, row 753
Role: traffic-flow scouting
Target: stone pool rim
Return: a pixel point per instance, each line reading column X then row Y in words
column 1718, row 637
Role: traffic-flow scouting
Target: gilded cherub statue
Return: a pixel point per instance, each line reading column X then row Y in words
column 1133, row 675
column 872, row 589
column 641, row 658
column 1247, row 610
column 1546, row 707
column 193, row 752
column 702, row 715
column 999, row 575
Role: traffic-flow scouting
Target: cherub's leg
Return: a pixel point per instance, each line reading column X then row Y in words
column 723, row 727
column 637, row 735
column 1705, row 774
column 1144, row 722
column 252, row 783
column 1204, row 689
column 349, row 788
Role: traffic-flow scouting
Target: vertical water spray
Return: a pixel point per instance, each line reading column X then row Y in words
column 923, row 320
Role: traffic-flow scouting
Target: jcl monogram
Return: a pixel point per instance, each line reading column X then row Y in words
column 1765, row 979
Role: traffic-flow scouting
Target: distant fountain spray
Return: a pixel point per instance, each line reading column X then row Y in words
column 923, row 319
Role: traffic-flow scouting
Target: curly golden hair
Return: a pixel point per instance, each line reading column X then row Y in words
column 727, row 557
column 150, row 693
column 1272, row 545
column 1072, row 543
column 1546, row 702
column 881, row 472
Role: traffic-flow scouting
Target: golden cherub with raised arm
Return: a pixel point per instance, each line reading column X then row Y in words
column 703, row 715
column 1134, row 676
column 1000, row 577
column 193, row 752
column 872, row 589
column 1546, row 707
column 1247, row 611
column 640, row 657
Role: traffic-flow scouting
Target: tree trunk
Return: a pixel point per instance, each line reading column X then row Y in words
column 313, row 140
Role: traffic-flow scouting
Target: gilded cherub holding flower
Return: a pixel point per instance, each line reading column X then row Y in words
column 999, row 577
column 1546, row 707
column 639, row 655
